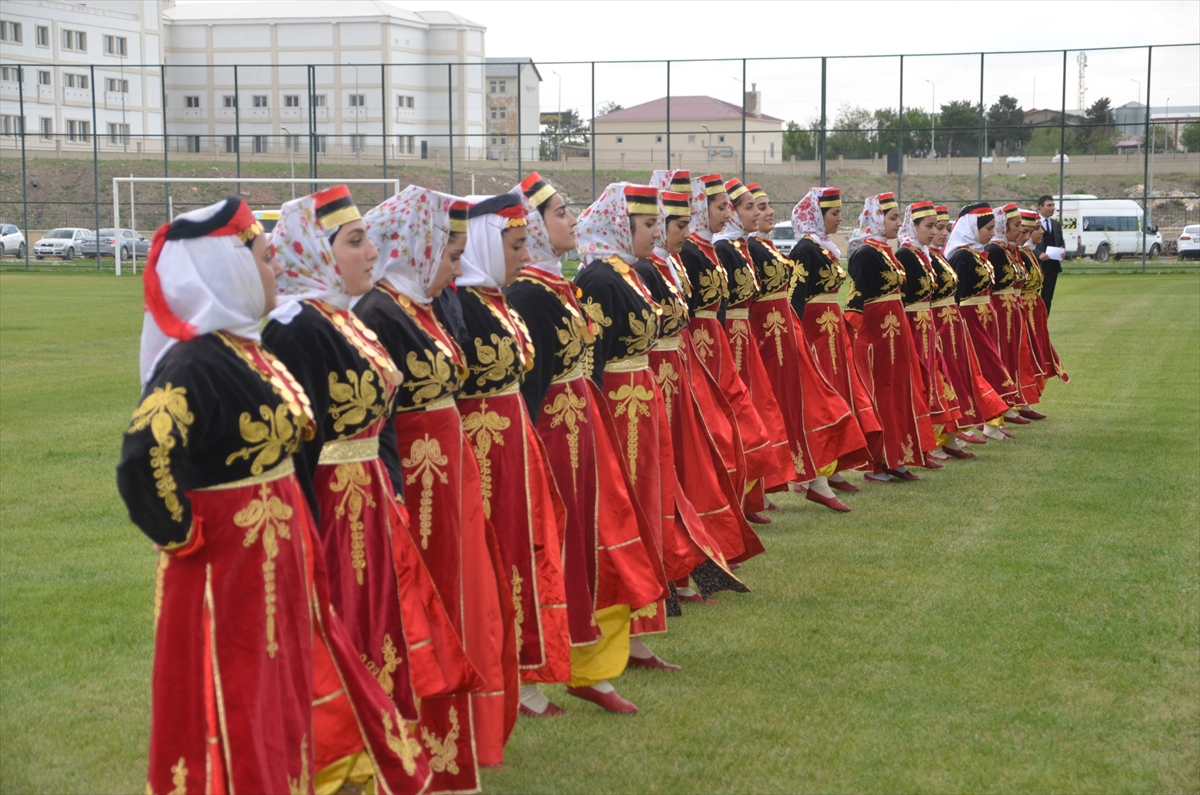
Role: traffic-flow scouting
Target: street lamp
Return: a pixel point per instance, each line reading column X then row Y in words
column 933, row 117
column 558, row 125
column 1139, row 85
column 291, row 158
column 705, row 126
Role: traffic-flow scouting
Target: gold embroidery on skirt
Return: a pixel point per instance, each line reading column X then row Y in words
column 401, row 743
column 891, row 328
column 390, row 663
column 947, row 315
column 484, row 428
column 567, row 409
column 517, row 582
column 649, row 611
column 668, row 384
column 179, row 773
column 163, row 410
column 828, row 323
column 704, row 343
column 302, row 785
column 425, row 456
column 738, row 337
column 906, row 451
column 442, row 753
column 267, row 515
column 349, row 480
column 160, row 577
column 631, row 401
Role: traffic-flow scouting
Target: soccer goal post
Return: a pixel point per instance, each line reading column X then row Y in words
column 118, row 246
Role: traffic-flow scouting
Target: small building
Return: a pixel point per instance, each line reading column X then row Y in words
column 1047, row 117
column 705, row 133
column 513, row 91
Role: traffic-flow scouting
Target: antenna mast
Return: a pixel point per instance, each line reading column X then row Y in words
column 1082, row 61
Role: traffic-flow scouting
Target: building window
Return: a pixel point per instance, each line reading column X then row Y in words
column 493, row 139
column 772, row 149
column 10, row 31
column 292, row 142
column 43, row 77
column 115, row 45
column 260, row 100
column 193, row 143
column 291, row 100
column 11, row 125
column 118, row 134
column 357, row 100
column 320, row 143
column 503, row 139
column 43, row 36
column 231, row 144
column 658, row 139
column 260, row 144
column 620, row 139
column 191, row 102
column 116, row 85
column 230, row 101
column 691, row 139
column 76, row 81
column 408, row 145
column 358, row 143
column 318, row 100
column 9, row 73
column 498, row 86
column 78, row 130
column 47, row 127
column 720, row 139
column 503, row 113
column 404, row 102
column 74, row 40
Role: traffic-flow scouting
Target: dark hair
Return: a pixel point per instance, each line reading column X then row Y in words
column 541, row 208
column 455, row 236
column 1044, row 198
column 712, row 197
column 827, row 209
column 737, row 202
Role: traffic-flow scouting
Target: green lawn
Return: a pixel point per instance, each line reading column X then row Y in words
column 1027, row 621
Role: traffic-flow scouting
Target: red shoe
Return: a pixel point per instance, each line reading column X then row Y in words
column 799, row 488
column 1017, row 420
column 932, row 463
column 772, row 507
column 832, row 503
column 971, row 438
column 950, row 451
column 552, row 711
column 758, row 518
column 843, row 485
column 609, row 701
column 653, row 663
column 696, row 598
column 906, row 476
column 874, row 477
column 1030, row 414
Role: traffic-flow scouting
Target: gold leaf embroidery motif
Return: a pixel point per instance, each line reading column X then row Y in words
column 390, row 662
column 424, row 459
column 649, row 611
column 829, row 324
column 704, row 343
column 853, row 292
column 798, row 462
column 711, row 286
column 302, row 785
column 484, row 428
column 160, row 577
column 668, row 384
column 401, row 743
column 349, row 480
column 642, row 333
column 985, row 314
column 632, row 401
column 891, row 329
column 924, row 321
column 776, row 327
column 179, row 773
column 270, row 439
column 775, row 274
column 430, row 379
column 906, row 451
column 351, row 402
column 496, row 361
column 745, row 286
column 947, row 315
column 442, row 753
column 517, row 582
column 1010, row 306
column 164, row 410
column 739, row 337
column 596, row 313
column 268, row 514
column 568, row 409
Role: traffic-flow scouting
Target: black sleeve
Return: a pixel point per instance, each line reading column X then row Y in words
column 694, row 264
column 596, row 291
column 914, row 271
column 860, row 269
column 968, row 280
column 529, row 301
column 449, row 313
column 391, row 457
column 805, row 270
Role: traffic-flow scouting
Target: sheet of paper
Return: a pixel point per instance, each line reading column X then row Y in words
column 1054, row 252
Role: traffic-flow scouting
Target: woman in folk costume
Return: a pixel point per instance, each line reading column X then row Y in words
column 816, row 280
column 964, row 251
column 1035, row 308
column 920, row 280
column 883, row 344
column 1004, row 254
column 257, row 686
column 606, row 564
column 733, row 250
column 613, row 232
column 823, row 430
column 378, row 584
column 977, row 401
column 709, row 526
column 519, row 494
column 420, row 235
column 710, row 291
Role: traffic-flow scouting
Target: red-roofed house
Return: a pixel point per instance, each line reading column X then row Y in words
column 704, row 131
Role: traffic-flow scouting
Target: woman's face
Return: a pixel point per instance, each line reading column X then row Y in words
column 941, row 233
column 450, row 266
column 1012, row 232
column 766, row 215
column 833, row 219
column 560, row 224
column 891, row 223
column 719, row 212
column 677, row 235
column 925, row 229
column 985, row 234
column 644, row 229
column 516, row 256
column 268, row 269
column 355, row 256
column 1035, row 235
column 748, row 213
column 1025, row 230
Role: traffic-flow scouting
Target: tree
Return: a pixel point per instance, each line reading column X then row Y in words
column 801, row 142
column 916, row 131
column 958, row 128
column 1006, row 128
column 1096, row 138
column 852, row 134
column 569, row 129
column 1190, row 136
column 607, row 108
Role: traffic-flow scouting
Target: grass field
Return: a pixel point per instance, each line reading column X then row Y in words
column 1026, row 621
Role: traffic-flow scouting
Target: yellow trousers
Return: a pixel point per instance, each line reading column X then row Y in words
column 828, row 469
column 607, row 657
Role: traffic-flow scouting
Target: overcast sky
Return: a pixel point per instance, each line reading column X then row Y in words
column 614, row 30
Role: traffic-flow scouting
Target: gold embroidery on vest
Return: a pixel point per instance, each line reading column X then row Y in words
column 401, row 743
column 596, row 313
column 430, row 380
column 891, row 329
column 425, row 456
column 484, row 428
column 632, row 400
column 269, row 439
column 442, row 753
column 163, row 410
column 745, row 286
column 269, row 515
column 668, row 384
column 776, row 327
column 350, row 402
column 829, row 323
column 495, row 361
column 179, row 773
column 775, row 274
column 710, row 287
column 568, row 409
column 349, row 481
column 517, row 582
column 642, row 333
column 302, row 785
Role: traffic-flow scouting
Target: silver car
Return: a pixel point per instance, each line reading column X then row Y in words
column 12, row 241
column 65, row 242
column 130, row 241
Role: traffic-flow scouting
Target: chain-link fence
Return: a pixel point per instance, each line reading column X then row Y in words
column 1116, row 132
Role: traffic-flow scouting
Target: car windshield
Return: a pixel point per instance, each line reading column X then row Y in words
column 781, row 233
column 1191, row 230
column 268, row 224
column 59, row 234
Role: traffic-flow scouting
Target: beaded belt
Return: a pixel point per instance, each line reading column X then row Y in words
column 347, row 451
column 943, row 302
column 737, row 314
column 892, row 297
column 668, row 343
column 976, row 300
column 705, row 314
column 285, row 468
column 1007, row 291
column 576, row 371
column 511, row 389
column 773, row 296
column 824, row 298
column 630, row 365
column 919, row 306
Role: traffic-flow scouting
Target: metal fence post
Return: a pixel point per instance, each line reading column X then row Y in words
column 312, row 128
column 95, row 163
column 237, row 126
column 450, row 118
column 1062, row 146
column 593, row 146
column 1146, row 161
column 520, row 161
column 24, row 174
column 900, row 141
column 162, row 86
column 669, row 115
column 982, row 137
column 824, row 85
column 743, row 120
column 383, row 121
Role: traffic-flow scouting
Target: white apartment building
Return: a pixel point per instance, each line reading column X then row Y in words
column 70, row 53
column 514, row 108
column 260, row 75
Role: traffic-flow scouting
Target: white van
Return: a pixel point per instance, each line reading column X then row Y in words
column 1103, row 228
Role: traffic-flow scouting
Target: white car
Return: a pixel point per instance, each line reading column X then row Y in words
column 12, row 241
column 64, row 242
column 1188, row 244
column 783, row 237
column 1063, row 158
column 1015, row 159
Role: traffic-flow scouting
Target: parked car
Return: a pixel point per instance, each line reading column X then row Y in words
column 12, row 241
column 268, row 219
column 130, row 241
column 65, row 242
column 1015, row 159
column 783, row 237
column 1063, row 158
column 985, row 160
column 1104, row 228
column 1188, row 244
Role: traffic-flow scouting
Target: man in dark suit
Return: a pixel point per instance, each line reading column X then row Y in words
column 1052, row 236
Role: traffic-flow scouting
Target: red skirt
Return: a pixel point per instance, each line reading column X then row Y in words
column 605, row 561
column 754, row 375
column 458, row 546
column 1039, row 332
column 942, row 404
column 820, row 425
column 887, row 358
column 977, row 400
column 246, row 643
column 980, row 321
column 1014, row 345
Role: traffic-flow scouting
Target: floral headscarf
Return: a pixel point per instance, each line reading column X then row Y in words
column 908, row 232
column 309, row 269
column 411, row 230
column 542, row 255
column 699, row 223
column 870, row 220
column 604, row 230
column 1001, row 234
column 809, row 221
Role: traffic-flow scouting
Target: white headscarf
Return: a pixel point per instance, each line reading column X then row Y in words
column 411, row 230
column 965, row 234
column 209, row 283
column 483, row 258
column 1000, row 235
column 908, row 233
column 310, row 271
column 542, row 255
column 604, row 229
column 809, row 221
